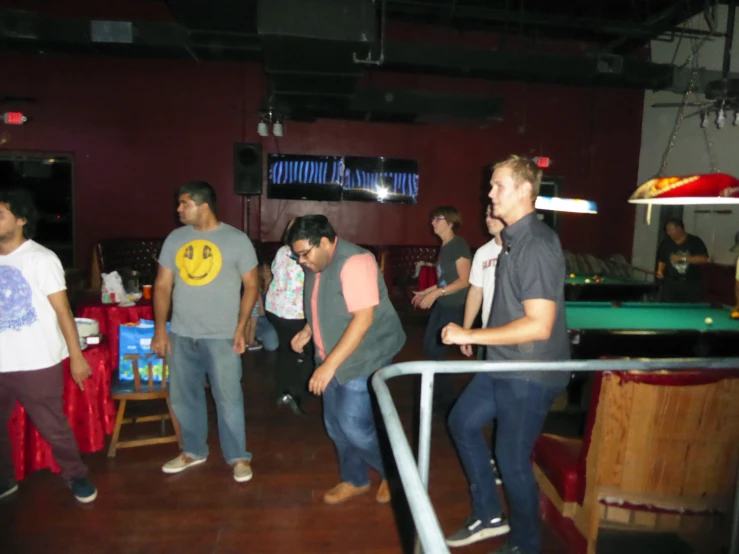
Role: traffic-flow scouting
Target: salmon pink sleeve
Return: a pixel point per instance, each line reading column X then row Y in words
column 359, row 278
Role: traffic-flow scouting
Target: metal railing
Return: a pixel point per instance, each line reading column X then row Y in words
column 415, row 479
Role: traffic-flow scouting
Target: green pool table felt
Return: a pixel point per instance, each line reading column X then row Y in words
column 647, row 316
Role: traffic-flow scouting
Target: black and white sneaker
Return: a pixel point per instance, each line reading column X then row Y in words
column 498, row 480
column 475, row 530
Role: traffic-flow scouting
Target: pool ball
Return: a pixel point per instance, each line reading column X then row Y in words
column 709, row 321
column 572, row 275
column 587, row 280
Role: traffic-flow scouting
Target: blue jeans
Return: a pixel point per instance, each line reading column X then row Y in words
column 266, row 334
column 520, row 406
column 189, row 364
column 347, row 413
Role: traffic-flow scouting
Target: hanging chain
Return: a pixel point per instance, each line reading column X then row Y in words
column 709, row 147
column 678, row 121
column 693, row 60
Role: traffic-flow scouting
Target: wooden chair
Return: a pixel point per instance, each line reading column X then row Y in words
column 659, row 455
column 130, row 391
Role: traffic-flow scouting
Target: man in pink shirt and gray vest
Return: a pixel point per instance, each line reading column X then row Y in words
column 356, row 331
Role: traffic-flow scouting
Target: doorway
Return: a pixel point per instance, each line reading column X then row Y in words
column 50, row 179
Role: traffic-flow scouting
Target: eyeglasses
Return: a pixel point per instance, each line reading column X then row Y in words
column 298, row 255
column 438, row 218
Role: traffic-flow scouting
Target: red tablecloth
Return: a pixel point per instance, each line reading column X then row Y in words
column 91, row 415
column 426, row 277
column 111, row 316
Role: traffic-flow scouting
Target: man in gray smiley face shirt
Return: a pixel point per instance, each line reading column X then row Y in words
column 202, row 268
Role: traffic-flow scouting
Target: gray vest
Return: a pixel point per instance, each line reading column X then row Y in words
column 383, row 339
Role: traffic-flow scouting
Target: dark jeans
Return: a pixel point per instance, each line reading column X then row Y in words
column 520, row 407
column 40, row 393
column 434, row 349
column 350, row 422
column 293, row 368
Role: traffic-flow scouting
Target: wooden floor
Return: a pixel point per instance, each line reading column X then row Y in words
column 141, row 510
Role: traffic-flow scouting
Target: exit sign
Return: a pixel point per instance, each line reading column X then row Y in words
column 14, row 118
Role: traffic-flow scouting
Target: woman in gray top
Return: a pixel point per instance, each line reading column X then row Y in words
column 446, row 298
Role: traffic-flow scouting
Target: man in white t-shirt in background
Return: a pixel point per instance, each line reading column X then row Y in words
column 482, row 279
column 37, row 332
column 482, row 288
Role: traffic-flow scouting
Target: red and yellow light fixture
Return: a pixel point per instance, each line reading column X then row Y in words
column 711, row 188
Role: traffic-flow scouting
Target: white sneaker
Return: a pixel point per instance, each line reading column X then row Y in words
column 242, row 471
column 181, row 463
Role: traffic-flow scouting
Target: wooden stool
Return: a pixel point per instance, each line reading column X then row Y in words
column 133, row 391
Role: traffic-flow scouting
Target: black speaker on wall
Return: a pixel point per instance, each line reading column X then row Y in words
column 247, row 168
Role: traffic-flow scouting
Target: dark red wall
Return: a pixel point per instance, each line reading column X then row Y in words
column 138, row 128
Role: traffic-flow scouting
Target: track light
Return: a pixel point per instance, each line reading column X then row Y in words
column 269, row 116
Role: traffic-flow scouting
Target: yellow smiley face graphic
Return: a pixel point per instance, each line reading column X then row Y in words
column 199, row 262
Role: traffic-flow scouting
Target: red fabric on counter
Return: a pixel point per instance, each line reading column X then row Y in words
column 426, row 277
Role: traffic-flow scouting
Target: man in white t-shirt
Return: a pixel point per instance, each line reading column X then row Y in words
column 37, row 332
column 482, row 278
column 482, row 287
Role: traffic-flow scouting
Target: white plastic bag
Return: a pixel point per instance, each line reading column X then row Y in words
column 112, row 291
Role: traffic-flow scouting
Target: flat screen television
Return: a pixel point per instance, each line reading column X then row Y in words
column 300, row 177
column 385, row 180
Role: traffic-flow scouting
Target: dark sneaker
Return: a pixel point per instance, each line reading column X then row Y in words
column 7, row 488
column 498, row 480
column 475, row 530
column 83, row 490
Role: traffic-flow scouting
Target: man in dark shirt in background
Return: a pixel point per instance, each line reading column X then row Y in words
column 678, row 259
column 527, row 322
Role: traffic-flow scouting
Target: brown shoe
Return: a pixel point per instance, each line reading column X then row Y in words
column 342, row 492
column 383, row 493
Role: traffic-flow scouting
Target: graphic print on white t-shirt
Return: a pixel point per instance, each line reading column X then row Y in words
column 16, row 300
column 30, row 337
column 482, row 275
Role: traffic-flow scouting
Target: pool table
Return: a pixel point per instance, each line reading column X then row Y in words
column 652, row 330
column 581, row 287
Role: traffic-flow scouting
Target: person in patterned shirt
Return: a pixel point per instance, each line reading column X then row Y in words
column 284, row 310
